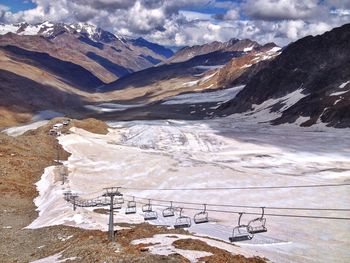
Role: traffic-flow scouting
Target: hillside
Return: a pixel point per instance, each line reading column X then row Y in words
column 309, row 81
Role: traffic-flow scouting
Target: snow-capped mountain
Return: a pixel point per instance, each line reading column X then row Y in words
column 95, row 33
column 104, row 54
column 49, row 29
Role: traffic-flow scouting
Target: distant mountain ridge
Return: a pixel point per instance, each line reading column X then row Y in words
column 233, row 45
column 51, row 30
column 305, row 83
column 105, row 55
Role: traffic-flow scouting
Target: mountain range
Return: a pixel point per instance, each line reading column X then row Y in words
column 107, row 56
column 82, row 70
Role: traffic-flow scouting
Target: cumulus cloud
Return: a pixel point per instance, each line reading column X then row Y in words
column 282, row 9
column 232, row 14
column 169, row 22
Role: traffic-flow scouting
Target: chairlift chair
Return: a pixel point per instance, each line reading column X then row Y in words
column 99, row 202
column 201, row 217
column 82, row 203
column 182, row 221
column 131, row 207
column 240, row 232
column 169, row 211
column 119, row 200
column 91, row 203
column 106, row 201
column 257, row 225
column 67, row 195
column 130, row 210
column 147, row 207
column 117, row 206
column 150, row 215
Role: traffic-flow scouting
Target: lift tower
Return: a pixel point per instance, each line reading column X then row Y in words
column 111, row 192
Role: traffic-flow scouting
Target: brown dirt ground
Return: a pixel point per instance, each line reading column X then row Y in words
column 22, row 161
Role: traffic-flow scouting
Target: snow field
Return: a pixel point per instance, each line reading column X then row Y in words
column 226, row 152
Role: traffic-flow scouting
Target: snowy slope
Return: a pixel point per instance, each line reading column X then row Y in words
column 217, row 153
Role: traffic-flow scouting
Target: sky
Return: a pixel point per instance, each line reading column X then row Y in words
column 189, row 22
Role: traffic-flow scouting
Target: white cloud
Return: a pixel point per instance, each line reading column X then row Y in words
column 281, row 9
column 192, row 16
column 166, row 22
column 232, row 14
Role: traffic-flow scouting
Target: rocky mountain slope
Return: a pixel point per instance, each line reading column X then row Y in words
column 309, row 82
column 233, row 45
column 105, row 55
column 305, row 84
column 211, row 71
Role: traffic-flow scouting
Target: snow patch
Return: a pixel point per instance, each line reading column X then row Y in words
column 199, row 81
column 112, row 107
column 339, row 93
column 274, row 50
column 19, row 130
column 205, row 97
column 56, row 258
column 203, row 67
column 341, row 86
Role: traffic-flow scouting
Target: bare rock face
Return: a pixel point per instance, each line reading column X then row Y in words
column 319, row 67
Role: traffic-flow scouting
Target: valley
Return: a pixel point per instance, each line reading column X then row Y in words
column 246, row 132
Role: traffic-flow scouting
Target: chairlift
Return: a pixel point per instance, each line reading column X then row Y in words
column 131, row 203
column 82, row 203
column 182, row 221
column 119, row 200
column 117, row 206
column 201, row 217
column 67, row 195
column 131, row 207
column 147, row 207
column 169, row 211
column 99, row 202
column 240, row 232
column 150, row 215
column 92, row 203
column 106, row 201
column 257, row 225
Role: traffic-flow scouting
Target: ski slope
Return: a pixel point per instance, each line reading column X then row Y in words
column 226, row 152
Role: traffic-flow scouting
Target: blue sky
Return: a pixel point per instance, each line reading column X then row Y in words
column 18, row 5
column 189, row 22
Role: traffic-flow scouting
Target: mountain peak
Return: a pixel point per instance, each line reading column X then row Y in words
column 51, row 30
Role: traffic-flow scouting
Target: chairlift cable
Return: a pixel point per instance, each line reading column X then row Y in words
column 237, row 188
column 253, row 213
column 247, row 206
